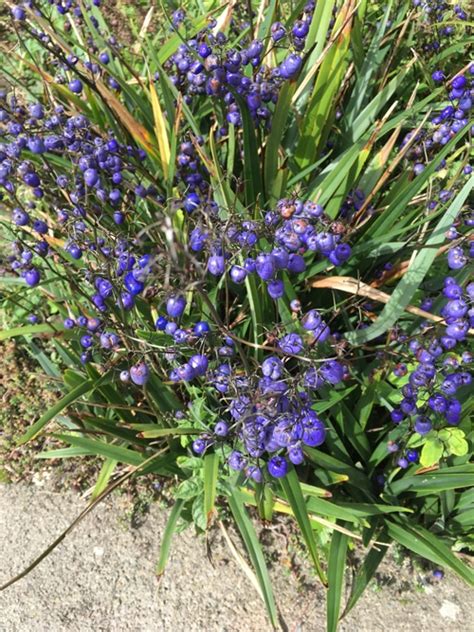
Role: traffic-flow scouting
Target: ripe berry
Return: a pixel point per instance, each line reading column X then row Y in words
column 18, row 13
column 300, row 28
column 139, row 373
column 412, row 456
column 423, row 425
column 290, row 66
column 175, row 306
column 199, row 446
column 75, row 86
column 221, row 429
column 201, row 328
column 276, row 289
column 277, row 466
column 132, row 284
column 32, row 277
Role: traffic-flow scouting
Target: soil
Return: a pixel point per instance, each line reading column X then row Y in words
column 101, row 578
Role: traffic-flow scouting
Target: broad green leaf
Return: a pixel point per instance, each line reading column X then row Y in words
column 431, row 452
column 272, row 146
column 103, row 479
column 265, row 501
column 433, row 482
column 155, row 433
column 318, row 115
column 252, row 170
column 64, row 453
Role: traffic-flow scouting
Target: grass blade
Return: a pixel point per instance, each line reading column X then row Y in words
column 211, row 470
column 294, row 495
column 254, row 550
column 365, row 573
column 415, row 274
column 109, row 450
column 27, row 330
column 429, row 546
column 168, row 536
column 336, row 567
column 67, row 400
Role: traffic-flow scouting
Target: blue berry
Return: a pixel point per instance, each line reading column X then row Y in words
column 139, row 373
column 175, row 306
column 75, row 86
column 277, row 466
column 32, row 277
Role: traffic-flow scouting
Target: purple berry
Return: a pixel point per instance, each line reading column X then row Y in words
column 139, row 373
column 175, row 306
column 277, row 466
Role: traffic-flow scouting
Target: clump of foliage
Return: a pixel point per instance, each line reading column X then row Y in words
column 247, row 236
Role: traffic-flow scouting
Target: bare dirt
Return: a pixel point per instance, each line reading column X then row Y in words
column 101, row 578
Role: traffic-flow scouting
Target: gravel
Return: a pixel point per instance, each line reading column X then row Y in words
column 101, row 578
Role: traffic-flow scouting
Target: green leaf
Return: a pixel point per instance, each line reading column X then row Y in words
column 27, row 330
column 190, row 488
column 254, row 550
column 168, row 535
column 366, row 572
column 272, row 145
column 105, row 473
column 336, row 567
column 161, row 396
column 197, row 511
column 318, row 114
column 252, row 170
column 432, row 452
column 265, row 501
column 429, row 546
column 109, row 450
column 433, row 482
column 165, row 432
column 355, row 477
column 67, row 400
column 294, row 495
column 455, row 441
column 211, row 471
column 403, row 293
column 63, row 453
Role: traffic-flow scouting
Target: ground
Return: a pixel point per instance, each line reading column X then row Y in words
column 101, row 578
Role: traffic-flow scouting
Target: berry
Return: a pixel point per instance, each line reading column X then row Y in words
column 199, row 446
column 175, row 306
column 32, row 277
column 139, row 373
column 75, row 86
column 18, row 13
column 221, row 429
column 300, row 28
column 277, row 466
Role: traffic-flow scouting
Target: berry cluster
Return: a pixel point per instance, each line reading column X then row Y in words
column 269, row 416
column 437, row 369
column 448, row 122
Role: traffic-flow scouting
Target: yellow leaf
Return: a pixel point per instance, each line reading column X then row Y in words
column 160, row 130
